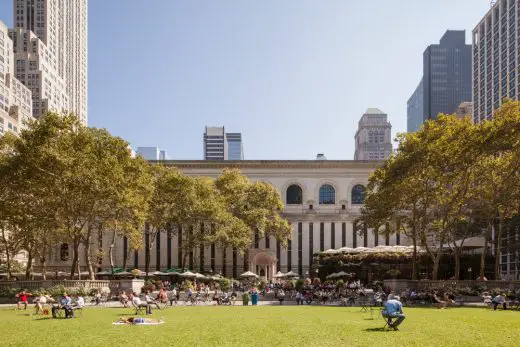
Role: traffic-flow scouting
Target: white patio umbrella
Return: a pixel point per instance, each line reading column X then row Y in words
column 160, row 273
column 248, row 274
column 342, row 274
column 125, row 273
column 290, row 274
column 279, row 274
column 200, row 276
column 331, row 251
column 103, row 273
column 332, row 275
column 188, row 274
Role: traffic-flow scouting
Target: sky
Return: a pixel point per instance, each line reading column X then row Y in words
column 293, row 76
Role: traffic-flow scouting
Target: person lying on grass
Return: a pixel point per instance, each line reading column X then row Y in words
column 139, row 320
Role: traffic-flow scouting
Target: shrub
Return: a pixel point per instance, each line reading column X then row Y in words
column 316, row 281
column 188, row 284
column 262, row 285
column 340, row 283
column 224, row 284
column 308, row 281
column 56, row 290
column 136, row 273
column 9, row 292
column 299, row 284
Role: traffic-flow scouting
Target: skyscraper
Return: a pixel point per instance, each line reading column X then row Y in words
column 15, row 98
column 215, row 144
column 415, row 113
column 446, row 78
column 219, row 145
column 374, row 136
column 235, row 148
column 152, row 153
column 495, row 58
column 50, row 47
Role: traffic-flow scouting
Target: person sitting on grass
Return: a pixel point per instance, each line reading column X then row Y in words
column 23, row 299
column 139, row 320
column 394, row 310
column 499, row 300
column 138, row 303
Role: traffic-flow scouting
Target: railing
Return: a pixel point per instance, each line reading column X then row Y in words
column 31, row 285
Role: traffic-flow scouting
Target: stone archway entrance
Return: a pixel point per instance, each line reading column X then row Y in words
column 263, row 263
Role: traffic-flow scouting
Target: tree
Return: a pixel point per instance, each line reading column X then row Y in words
column 257, row 206
column 29, row 171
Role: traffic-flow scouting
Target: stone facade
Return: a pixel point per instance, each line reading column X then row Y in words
column 338, row 185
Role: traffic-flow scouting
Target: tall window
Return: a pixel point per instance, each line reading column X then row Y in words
column 327, row 195
column 294, row 195
column 358, row 195
column 64, row 252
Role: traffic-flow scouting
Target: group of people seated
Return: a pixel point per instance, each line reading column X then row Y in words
column 66, row 304
column 498, row 300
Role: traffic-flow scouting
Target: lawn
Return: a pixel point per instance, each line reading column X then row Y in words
column 265, row 326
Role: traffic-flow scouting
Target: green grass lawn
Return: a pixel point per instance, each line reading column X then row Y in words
column 265, row 326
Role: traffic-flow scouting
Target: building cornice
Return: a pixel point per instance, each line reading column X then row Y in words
column 271, row 164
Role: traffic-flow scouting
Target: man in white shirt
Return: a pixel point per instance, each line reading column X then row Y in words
column 138, row 303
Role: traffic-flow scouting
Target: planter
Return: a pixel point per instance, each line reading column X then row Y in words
column 133, row 285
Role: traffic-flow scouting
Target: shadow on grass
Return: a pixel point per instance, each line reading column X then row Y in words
column 377, row 329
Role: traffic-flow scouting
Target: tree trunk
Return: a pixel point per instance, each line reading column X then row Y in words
column 88, row 260
column 184, row 259
column 224, row 260
column 484, row 251
column 457, row 263
column 111, row 252
column 436, row 263
column 28, row 270
column 125, row 259
column 100, row 253
column 75, row 258
column 414, row 259
column 147, row 262
column 43, row 261
column 498, row 245
column 7, row 253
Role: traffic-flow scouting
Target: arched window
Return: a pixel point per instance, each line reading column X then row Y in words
column 327, row 195
column 294, row 195
column 64, row 252
column 358, row 195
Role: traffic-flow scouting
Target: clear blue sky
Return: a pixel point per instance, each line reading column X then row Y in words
column 292, row 76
